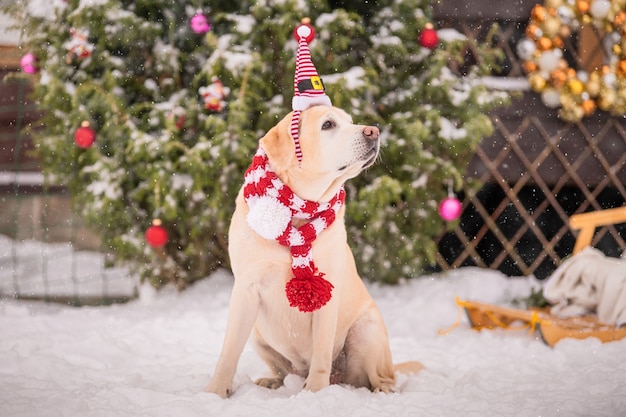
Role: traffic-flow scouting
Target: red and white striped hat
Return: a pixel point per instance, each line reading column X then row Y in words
column 307, row 84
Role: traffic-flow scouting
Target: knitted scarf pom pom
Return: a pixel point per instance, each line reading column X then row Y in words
column 308, row 293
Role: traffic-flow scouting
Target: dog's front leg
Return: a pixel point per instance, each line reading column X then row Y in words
column 242, row 313
column 324, row 329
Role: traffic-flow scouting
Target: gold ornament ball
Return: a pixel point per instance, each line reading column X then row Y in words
column 586, row 19
column 578, row 112
column 575, row 86
column 607, row 99
column 593, row 87
column 567, row 101
column 595, row 77
column 619, row 109
column 537, row 82
column 551, row 26
column 554, row 4
column 571, row 112
column 619, row 4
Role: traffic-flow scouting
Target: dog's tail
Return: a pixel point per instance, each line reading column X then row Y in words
column 408, row 368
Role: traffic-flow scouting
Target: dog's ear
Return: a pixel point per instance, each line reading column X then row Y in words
column 279, row 146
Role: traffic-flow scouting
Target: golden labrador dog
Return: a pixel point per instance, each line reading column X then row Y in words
column 345, row 341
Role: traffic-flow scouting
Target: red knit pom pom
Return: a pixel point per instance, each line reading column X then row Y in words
column 309, row 293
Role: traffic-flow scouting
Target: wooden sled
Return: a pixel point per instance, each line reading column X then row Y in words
column 551, row 328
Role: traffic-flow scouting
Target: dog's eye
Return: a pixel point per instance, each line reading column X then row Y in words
column 328, row 124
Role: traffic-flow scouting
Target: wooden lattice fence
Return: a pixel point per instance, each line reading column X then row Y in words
column 535, row 171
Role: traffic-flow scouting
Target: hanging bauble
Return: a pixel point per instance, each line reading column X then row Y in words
column 551, row 98
column 156, row 235
column 526, row 48
column 84, row 137
column 28, row 63
column 78, row 47
column 214, row 95
column 450, row 208
column 428, row 37
column 600, row 8
column 199, row 23
column 304, row 29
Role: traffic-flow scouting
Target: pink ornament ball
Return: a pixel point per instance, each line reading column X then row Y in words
column 28, row 63
column 200, row 24
column 450, row 209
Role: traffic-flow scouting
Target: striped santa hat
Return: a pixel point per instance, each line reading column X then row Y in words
column 307, row 84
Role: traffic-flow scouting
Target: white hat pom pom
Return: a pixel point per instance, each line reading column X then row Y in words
column 303, row 31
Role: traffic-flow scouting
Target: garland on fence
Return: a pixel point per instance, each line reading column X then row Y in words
column 578, row 93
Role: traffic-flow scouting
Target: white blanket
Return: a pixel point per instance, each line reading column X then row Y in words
column 589, row 282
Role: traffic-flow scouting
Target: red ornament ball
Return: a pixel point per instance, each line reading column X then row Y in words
column 428, row 38
column 84, row 137
column 304, row 30
column 156, row 235
column 450, row 209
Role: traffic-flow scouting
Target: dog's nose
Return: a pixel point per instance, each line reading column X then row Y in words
column 371, row 132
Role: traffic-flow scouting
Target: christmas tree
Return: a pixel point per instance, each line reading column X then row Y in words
column 153, row 109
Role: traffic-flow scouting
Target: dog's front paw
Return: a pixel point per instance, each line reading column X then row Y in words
column 386, row 385
column 271, row 383
column 386, row 388
column 317, row 383
column 219, row 389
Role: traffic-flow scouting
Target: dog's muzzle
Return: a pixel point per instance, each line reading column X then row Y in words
column 372, row 145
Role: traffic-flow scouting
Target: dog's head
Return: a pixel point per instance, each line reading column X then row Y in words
column 333, row 151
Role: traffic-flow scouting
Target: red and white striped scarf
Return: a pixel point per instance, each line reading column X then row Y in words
column 272, row 206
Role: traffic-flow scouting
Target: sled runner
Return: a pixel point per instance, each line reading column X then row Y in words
column 551, row 328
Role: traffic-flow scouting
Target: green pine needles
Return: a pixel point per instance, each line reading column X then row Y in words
column 177, row 116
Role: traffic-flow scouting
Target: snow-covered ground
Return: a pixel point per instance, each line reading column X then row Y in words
column 153, row 357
